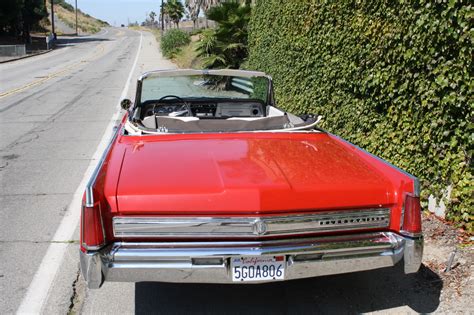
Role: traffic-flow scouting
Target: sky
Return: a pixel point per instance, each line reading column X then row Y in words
column 118, row 12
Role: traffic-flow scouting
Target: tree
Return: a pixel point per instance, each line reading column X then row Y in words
column 175, row 10
column 150, row 20
column 226, row 45
column 164, row 14
column 18, row 17
column 10, row 16
column 152, row 16
column 194, row 8
column 32, row 12
column 207, row 4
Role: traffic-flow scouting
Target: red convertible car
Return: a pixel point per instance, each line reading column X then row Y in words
column 206, row 180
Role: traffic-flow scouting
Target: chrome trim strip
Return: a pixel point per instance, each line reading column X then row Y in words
column 328, row 246
column 91, row 182
column 372, row 240
column 208, row 262
column 416, row 181
column 348, row 220
column 222, row 72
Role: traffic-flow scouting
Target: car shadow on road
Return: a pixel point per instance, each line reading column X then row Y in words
column 350, row 293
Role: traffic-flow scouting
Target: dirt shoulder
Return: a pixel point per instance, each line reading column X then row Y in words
column 443, row 241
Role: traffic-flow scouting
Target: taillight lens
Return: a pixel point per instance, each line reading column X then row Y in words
column 412, row 215
column 92, row 234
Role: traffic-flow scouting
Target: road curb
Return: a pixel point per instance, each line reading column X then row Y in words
column 27, row 56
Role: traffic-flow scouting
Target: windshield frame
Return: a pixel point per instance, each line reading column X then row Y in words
column 195, row 72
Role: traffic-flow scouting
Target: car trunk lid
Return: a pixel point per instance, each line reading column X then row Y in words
column 247, row 174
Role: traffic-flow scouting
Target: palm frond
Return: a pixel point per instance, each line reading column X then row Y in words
column 233, row 46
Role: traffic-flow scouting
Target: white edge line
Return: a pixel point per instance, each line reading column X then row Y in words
column 38, row 290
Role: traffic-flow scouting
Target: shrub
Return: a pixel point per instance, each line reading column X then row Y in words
column 172, row 40
column 394, row 77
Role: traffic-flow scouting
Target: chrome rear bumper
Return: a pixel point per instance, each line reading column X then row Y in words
column 208, row 262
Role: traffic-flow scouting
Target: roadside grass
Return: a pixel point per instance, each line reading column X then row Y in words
column 187, row 57
column 155, row 31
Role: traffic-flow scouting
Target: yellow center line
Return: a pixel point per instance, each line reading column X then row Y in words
column 100, row 49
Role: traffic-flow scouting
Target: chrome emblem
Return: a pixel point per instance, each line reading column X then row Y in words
column 259, row 227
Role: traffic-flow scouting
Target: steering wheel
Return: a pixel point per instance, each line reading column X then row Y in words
column 188, row 107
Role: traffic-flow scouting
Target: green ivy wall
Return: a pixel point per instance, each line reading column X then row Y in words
column 394, row 77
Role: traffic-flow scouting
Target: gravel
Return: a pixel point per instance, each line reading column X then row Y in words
column 442, row 242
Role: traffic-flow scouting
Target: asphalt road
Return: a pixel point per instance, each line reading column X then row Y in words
column 54, row 111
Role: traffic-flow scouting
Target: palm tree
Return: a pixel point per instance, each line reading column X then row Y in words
column 207, row 4
column 152, row 16
column 175, row 10
column 226, row 45
column 194, row 8
column 165, row 16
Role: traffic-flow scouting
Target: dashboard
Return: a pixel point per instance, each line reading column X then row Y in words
column 227, row 110
column 208, row 109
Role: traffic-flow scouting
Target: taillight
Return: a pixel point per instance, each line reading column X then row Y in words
column 92, row 231
column 412, row 216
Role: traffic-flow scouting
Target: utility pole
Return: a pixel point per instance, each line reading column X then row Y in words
column 77, row 33
column 52, row 19
column 162, row 18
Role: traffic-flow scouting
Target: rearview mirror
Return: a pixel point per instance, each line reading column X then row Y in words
column 125, row 104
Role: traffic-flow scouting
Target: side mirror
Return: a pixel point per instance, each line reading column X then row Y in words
column 125, row 104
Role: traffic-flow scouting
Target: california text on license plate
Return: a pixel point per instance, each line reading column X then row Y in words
column 258, row 268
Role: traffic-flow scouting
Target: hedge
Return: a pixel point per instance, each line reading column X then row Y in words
column 394, row 77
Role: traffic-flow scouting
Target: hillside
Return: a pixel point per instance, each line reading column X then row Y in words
column 67, row 24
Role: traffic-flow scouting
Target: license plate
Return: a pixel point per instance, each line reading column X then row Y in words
column 258, row 268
